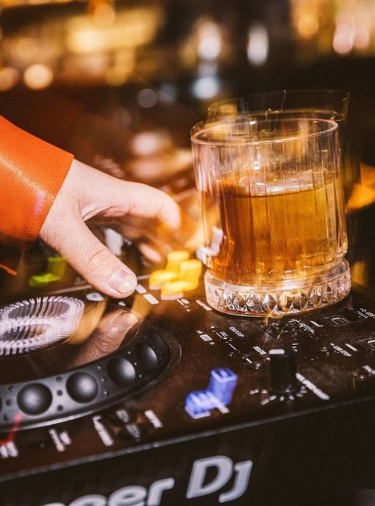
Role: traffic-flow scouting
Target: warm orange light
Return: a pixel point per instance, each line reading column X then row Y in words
column 131, row 28
column 8, row 78
column 363, row 194
column 38, row 76
column 308, row 25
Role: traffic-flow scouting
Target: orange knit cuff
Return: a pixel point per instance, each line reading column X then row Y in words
column 31, row 174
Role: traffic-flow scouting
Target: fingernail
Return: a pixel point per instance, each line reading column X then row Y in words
column 123, row 281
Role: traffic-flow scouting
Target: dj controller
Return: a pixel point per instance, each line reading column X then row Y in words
column 148, row 402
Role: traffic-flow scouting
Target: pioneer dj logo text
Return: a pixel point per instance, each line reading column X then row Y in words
column 225, row 472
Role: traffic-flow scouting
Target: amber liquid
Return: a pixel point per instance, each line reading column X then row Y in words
column 282, row 235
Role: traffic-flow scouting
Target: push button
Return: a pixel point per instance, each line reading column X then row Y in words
column 34, row 399
column 82, row 387
column 218, row 395
column 121, row 371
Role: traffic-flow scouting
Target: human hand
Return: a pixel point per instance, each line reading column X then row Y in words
column 144, row 215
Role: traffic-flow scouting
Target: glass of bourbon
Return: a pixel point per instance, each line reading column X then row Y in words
column 332, row 104
column 271, row 199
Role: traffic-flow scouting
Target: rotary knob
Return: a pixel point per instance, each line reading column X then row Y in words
column 283, row 370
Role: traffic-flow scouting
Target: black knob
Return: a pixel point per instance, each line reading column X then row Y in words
column 283, row 369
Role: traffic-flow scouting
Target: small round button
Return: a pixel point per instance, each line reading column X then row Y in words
column 34, row 399
column 121, row 372
column 82, row 387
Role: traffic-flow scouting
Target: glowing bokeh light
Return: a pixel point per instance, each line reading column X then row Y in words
column 308, row 25
column 9, row 77
column 206, row 87
column 258, row 44
column 209, row 39
column 147, row 98
column 38, row 76
column 129, row 29
column 343, row 39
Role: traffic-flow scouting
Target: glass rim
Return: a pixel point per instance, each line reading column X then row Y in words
column 228, row 138
column 339, row 94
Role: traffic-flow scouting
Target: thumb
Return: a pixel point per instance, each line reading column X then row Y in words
column 91, row 259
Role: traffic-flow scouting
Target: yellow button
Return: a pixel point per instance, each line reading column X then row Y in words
column 172, row 290
column 159, row 277
column 174, row 259
column 181, row 274
column 190, row 269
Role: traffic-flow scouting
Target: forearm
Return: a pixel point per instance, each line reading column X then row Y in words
column 32, row 172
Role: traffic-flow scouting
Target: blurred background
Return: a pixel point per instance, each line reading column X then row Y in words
column 121, row 82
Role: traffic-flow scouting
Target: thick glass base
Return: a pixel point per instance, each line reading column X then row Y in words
column 293, row 296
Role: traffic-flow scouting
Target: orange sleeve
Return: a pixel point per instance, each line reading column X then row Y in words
column 31, row 173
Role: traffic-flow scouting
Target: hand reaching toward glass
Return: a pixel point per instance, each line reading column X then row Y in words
column 145, row 215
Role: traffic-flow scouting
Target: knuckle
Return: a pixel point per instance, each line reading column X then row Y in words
column 97, row 260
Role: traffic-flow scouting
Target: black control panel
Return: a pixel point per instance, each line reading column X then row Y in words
column 153, row 402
